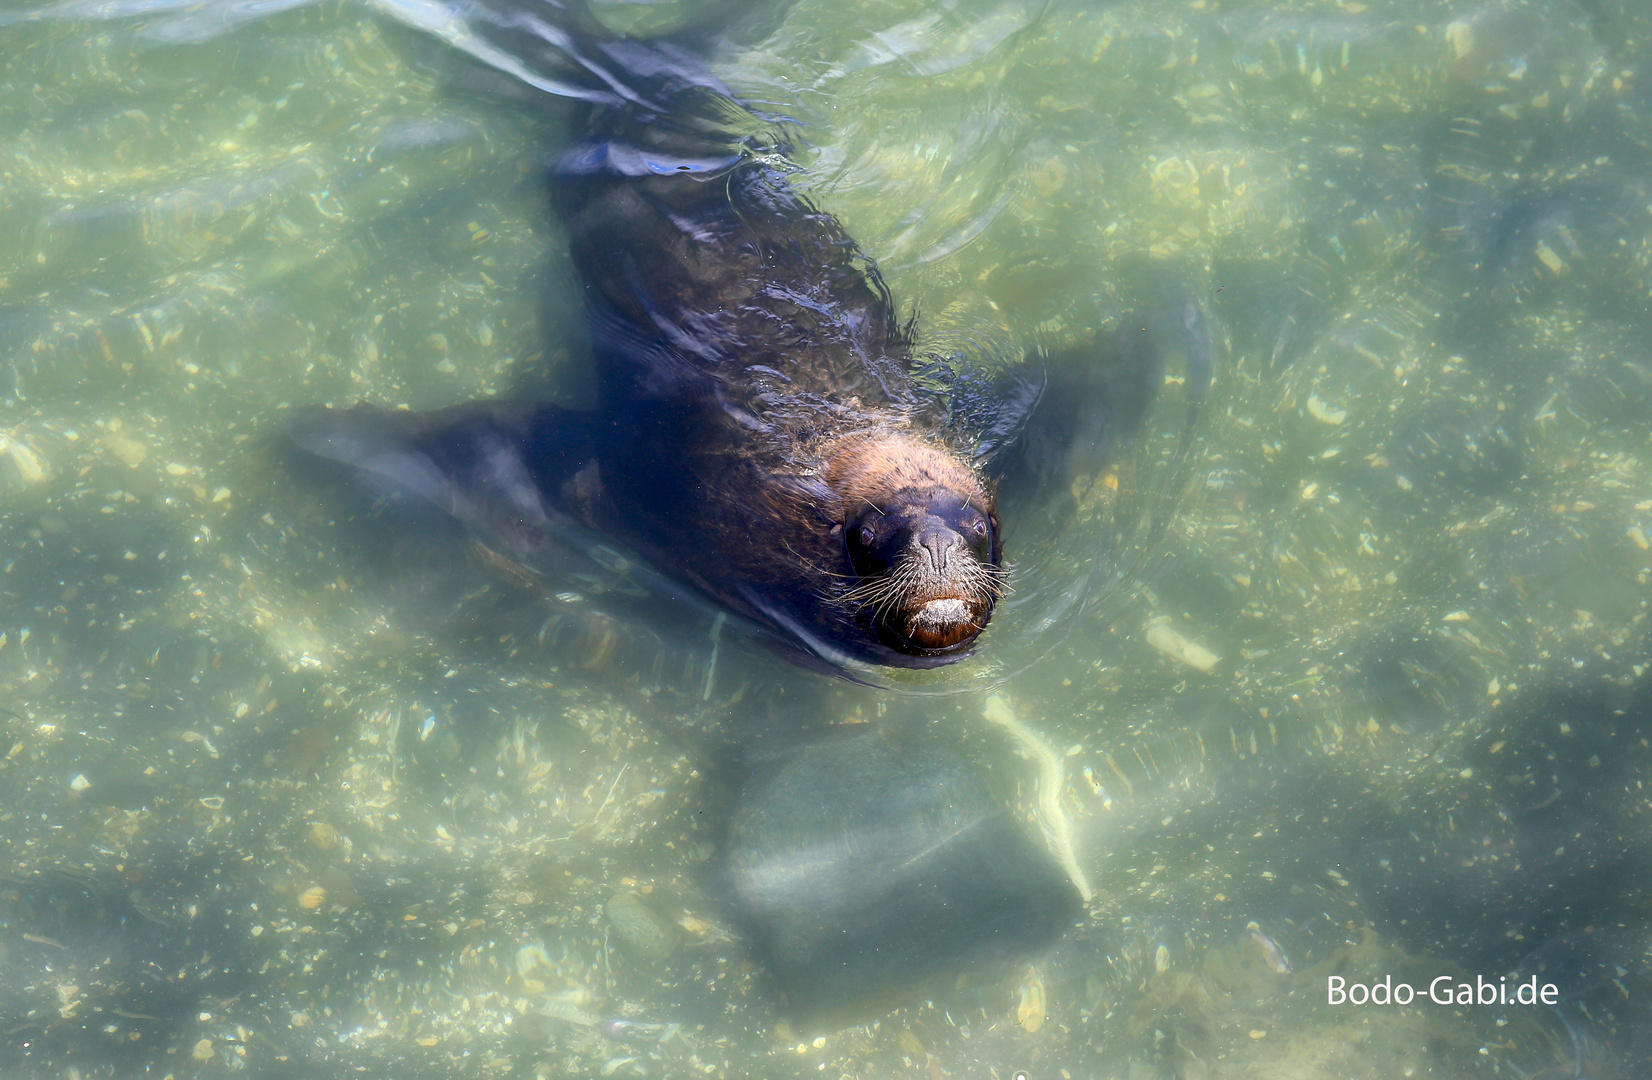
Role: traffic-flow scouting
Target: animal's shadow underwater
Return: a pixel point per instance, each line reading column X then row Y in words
column 768, row 444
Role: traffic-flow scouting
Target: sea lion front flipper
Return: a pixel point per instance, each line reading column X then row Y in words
column 1092, row 396
column 497, row 467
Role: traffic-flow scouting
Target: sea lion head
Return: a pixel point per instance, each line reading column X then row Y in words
column 921, row 535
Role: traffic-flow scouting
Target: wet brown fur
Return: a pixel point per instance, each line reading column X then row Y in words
column 866, row 468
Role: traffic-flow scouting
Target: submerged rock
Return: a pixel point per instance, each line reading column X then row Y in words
column 864, row 865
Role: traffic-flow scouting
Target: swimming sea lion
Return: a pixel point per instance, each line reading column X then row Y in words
column 763, row 433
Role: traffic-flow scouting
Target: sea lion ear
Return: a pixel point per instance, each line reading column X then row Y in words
column 481, row 463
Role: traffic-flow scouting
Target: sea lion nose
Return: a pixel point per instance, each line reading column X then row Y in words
column 939, row 541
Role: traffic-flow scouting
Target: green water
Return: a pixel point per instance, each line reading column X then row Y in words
column 293, row 787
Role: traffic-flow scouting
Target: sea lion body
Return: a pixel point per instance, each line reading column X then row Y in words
column 759, row 435
column 761, row 438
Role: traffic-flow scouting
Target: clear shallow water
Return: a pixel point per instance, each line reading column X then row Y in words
column 296, row 788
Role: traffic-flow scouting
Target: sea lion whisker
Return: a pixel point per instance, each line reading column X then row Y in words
column 864, row 591
column 817, row 567
column 883, row 591
column 983, row 584
column 900, row 584
column 992, row 581
column 877, row 589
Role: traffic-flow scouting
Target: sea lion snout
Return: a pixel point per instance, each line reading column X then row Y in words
column 927, row 560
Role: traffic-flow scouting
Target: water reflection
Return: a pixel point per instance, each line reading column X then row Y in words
column 300, row 788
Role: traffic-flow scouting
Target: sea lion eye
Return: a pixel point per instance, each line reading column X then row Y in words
column 867, row 535
column 979, row 528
